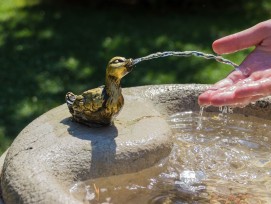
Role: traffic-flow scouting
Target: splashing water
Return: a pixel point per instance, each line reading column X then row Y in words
column 219, row 163
column 225, row 109
column 200, row 117
column 185, row 54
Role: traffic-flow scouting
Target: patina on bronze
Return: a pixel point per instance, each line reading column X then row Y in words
column 99, row 106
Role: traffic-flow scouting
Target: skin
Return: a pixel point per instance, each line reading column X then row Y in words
column 252, row 80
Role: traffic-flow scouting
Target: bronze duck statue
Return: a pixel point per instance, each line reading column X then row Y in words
column 99, row 106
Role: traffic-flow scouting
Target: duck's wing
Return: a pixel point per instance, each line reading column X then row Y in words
column 90, row 101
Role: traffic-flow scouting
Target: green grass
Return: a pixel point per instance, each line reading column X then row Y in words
column 46, row 51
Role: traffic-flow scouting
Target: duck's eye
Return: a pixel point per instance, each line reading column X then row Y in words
column 118, row 61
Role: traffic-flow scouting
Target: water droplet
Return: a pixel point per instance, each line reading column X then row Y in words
column 199, row 127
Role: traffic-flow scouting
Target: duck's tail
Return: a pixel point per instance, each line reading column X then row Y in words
column 70, row 98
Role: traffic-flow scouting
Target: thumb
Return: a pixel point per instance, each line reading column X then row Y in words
column 244, row 39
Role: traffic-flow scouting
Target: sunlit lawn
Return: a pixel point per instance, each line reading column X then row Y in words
column 46, row 51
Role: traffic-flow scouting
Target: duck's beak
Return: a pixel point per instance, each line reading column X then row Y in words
column 129, row 64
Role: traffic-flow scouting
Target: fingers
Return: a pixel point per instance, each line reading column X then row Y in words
column 244, row 39
column 221, row 97
column 231, row 79
column 225, row 98
column 204, row 99
column 240, row 93
column 258, row 84
column 236, row 102
column 207, row 97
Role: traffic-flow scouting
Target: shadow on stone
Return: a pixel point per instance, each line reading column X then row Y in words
column 102, row 141
column 88, row 133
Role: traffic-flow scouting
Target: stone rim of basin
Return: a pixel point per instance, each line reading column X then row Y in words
column 47, row 172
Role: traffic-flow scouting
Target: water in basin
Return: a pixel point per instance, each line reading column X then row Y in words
column 216, row 158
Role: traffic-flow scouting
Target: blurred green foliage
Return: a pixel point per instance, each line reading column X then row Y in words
column 47, row 49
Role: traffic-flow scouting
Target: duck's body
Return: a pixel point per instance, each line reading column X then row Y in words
column 99, row 106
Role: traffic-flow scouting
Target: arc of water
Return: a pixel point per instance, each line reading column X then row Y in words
column 185, row 54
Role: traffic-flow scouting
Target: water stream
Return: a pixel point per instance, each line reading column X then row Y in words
column 185, row 54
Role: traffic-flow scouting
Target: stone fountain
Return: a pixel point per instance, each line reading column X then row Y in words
column 53, row 152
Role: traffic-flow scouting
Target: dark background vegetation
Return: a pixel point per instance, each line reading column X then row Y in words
column 50, row 47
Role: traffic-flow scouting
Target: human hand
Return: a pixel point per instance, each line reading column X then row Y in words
column 252, row 79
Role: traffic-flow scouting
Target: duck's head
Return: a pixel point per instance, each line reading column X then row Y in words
column 119, row 66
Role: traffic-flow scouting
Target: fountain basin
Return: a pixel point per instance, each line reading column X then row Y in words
column 53, row 152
